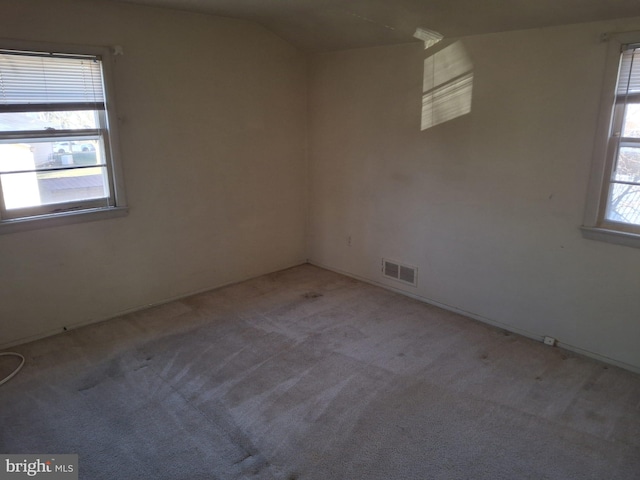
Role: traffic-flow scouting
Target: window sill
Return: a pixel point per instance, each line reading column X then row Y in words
column 60, row 219
column 611, row 236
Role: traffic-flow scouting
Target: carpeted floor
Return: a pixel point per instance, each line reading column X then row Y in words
column 306, row 374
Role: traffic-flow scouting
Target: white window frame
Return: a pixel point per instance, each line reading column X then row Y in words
column 76, row 212
column 595, row 224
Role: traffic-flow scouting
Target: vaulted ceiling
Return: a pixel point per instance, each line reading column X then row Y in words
column 323, row 25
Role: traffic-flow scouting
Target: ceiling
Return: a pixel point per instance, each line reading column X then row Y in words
column 324, row 25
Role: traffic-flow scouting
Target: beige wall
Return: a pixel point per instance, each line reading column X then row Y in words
column 213, row 150
column 487, row 205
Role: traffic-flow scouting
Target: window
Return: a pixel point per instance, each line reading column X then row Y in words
column 58, row 149
column 613, row 212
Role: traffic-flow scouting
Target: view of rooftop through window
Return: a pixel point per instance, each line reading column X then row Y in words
column 37, row 171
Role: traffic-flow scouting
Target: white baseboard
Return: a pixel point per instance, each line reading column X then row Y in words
column 483, row 319
column 138, row 308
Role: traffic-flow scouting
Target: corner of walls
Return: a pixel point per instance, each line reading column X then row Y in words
column 308, row 186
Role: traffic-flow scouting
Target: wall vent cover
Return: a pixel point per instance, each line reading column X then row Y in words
column 400, row 272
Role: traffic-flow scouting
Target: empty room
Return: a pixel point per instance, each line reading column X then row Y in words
column 262, row 239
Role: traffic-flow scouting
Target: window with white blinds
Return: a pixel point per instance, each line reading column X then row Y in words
column 629, row 76
column 29, row 78
column 57, row 143
column 622, row 191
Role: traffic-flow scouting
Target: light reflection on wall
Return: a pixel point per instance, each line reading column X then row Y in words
column 447, row 85
column 429, row 37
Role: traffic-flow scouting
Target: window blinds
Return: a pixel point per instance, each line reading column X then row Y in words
column 34, row 81
column 629, row 78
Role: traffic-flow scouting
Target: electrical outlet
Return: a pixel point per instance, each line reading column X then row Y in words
column 549, row 341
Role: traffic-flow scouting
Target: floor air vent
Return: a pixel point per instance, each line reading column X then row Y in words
column 400, row 272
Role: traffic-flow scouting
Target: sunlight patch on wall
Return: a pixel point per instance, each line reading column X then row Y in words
column 447, row 85
column 429, row 37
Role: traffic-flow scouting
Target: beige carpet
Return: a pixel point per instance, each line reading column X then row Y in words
column 306, row 374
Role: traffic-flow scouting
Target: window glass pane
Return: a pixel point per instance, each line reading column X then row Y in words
column 69, row 120
column 45, row 188
column 628, row 166
column 624, row 203
column 39, row 154
column 631, row 127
